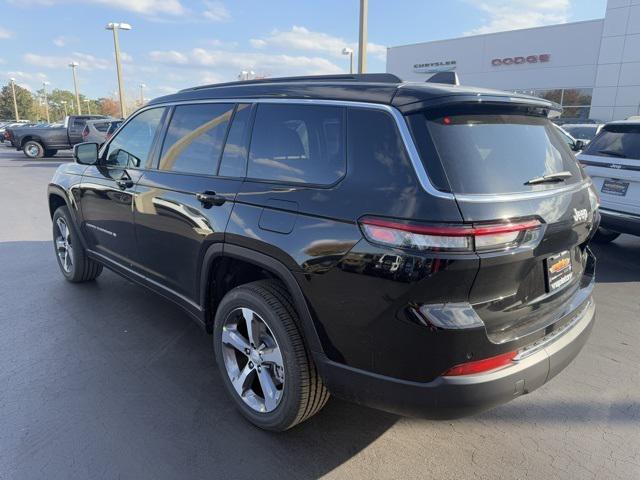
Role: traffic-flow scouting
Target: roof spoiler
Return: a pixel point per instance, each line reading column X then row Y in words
column 449, row 78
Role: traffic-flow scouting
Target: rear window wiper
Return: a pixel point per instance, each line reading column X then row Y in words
column 551, row 178
column 612, row 153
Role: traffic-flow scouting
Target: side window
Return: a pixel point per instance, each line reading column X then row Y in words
column 130, row 148
column 234, row 158
column 195, row 137
column 298, row 143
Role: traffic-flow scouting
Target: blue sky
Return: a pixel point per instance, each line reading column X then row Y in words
column 179, row 43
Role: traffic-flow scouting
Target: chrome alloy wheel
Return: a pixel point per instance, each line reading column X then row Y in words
column 33, row 150
column 253, row 360
column 63, row 245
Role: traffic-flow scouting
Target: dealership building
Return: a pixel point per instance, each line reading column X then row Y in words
column 591, row 68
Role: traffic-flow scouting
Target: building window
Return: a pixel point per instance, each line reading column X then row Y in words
column 576, row 102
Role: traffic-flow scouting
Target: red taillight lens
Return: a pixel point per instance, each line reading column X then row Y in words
column 85, row 132
column 479, row 366
column 454, row 238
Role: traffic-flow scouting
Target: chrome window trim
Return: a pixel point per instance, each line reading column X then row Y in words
column 405, row 134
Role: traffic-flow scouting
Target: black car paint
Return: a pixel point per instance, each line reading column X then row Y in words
column 355, row 312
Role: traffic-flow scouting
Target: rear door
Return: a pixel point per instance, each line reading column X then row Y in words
column 183, row 205
column 612, row 160
column 506, row 166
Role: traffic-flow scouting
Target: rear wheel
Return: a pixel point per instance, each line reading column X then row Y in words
column 33, row 149
column 72, row 258
column 50, row 153
column 262, row 358
column 604, row 235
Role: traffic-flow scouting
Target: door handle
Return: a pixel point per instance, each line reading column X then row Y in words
column 210, row 198
column 124, row 183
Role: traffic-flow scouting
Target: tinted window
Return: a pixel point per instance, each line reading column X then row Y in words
column 130, row 148
column 101, row 127
column 114, row 126
column 298, row 143
column 195, row 137
column 498, row 152
column 582, row 132
column 234, row 158
column 622, row 141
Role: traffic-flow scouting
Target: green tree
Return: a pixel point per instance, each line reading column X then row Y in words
column 24, row 99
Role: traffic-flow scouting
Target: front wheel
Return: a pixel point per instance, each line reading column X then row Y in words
column 33, row 149
column 262, row 357
column 604, row 235
column 73, row 261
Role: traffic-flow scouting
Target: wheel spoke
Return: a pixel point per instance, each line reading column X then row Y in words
column 62, row 228
column 70, row 254
column 60, row 245
column 272, row 355
column 233, row 338
column 253, row 327
column 66, row 263
column 243, row 381
column 268, row 389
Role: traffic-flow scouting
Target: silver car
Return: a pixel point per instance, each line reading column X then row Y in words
column 612, row 160
column 96, row 130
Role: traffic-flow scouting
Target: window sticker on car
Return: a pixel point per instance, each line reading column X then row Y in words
column 613, row 186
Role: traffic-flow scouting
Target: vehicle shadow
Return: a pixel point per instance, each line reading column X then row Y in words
column 618, row 261
column 108, row 377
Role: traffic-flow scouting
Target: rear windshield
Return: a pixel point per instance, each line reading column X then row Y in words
column 493, row 153
column 101, row 127
column 621, row 141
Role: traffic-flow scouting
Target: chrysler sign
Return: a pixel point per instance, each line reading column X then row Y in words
column 434, row 67
column 542, row 58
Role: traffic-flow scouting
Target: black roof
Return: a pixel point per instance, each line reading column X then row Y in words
column 371, row 88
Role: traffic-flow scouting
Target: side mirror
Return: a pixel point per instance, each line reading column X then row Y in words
column 578, row 145
column 86, row 153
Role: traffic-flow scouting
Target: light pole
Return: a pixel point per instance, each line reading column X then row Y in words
column 142, row 86
column 115, row 27
column 87, row 101
column 46, row 100
column 362, row 41
column 349, row 51
column 64, row 104
column 73, row 66
column 15, row 101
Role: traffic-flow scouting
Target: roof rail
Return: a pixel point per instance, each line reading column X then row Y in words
column 359, row 77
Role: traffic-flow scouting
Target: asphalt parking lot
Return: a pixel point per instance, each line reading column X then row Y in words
column 107, row 380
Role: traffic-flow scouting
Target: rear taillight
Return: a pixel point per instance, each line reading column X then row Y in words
column 452, row 238
column 85, row 133
column 479, row 366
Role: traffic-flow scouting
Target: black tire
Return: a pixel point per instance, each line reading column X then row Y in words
column 33, row 149
column 604, row 235
column 75, row 266
column 50, row 153
column 303, row 393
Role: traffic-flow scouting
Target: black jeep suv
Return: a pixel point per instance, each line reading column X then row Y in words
column 418, row 248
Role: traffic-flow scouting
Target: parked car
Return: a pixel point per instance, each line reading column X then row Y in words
column 46, row 142
column 583, row 131
column 574, row 144
column 611, row 160
column 96, row 131
column 113, row 126
column 265, row 208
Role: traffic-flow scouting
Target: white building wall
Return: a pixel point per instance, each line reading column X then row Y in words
column 599, row 54
column 617, row 87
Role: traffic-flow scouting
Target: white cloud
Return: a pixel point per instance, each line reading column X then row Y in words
column 301, row 38
column 216, row 11
column 150, row 8
column 4, row 33
column 503, row 15
column 86, row 61
column 60, row 41
column 233, row 62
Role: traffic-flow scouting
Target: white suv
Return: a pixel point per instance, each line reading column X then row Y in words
column 612, row 160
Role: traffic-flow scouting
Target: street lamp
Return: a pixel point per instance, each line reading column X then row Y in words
column 115, row 27
column 15, row 101
column 362, row 40
column 73, row 66
column 349, row 51
column 142, row 87
column 46, row 101
column 246, row 74
column 64, row 104
column 88, row 102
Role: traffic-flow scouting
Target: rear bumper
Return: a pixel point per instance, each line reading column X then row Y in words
column 452, row 397
column 620, row 221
